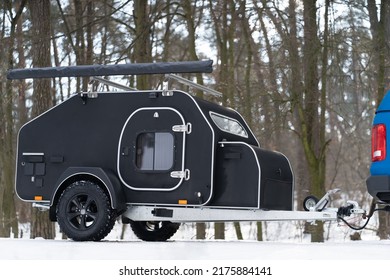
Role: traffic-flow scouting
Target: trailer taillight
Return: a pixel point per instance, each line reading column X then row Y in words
column 378, row 142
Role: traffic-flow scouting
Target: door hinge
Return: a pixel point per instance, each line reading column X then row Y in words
column 181, row 174
column 187, row 128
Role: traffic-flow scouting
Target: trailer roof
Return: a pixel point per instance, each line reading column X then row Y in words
column 204, row 66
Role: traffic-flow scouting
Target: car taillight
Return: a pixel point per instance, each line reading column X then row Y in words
column 378, row 142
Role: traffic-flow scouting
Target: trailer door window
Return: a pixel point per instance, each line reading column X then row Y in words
column 155, row 151
column 228, row 124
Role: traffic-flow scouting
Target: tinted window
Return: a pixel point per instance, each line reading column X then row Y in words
column 155, row 151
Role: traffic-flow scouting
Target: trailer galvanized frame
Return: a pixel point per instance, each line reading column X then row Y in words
column 206, row 214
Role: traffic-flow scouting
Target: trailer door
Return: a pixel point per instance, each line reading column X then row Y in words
column 152, row 150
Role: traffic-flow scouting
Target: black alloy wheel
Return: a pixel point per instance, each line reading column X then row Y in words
column 154, row 231
column 84, row 212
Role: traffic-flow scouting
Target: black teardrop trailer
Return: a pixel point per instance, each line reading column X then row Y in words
column 155, row 157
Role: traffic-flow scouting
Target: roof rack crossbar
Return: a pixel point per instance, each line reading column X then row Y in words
column 192, row 84
column 111, row 83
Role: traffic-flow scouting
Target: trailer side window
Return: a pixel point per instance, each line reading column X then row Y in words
column 155, row 151
column 228, row 124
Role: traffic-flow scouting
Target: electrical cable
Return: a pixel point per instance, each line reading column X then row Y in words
column 355, row 228
column 387, row 209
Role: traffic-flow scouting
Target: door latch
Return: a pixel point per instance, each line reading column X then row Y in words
column 181, row 174
column 187, row 128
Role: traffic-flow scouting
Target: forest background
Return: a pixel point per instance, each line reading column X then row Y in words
column 306, row 75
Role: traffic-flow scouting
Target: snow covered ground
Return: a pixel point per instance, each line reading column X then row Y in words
column 39, row 249
column 64, row 259
column 287, row 254
column 283, row 241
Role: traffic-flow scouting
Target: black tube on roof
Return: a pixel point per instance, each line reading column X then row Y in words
column 109, row 70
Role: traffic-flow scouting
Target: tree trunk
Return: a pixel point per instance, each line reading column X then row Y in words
column 41, row 225
column 23, row 208
column 142, row 48
column 222, row 25
column 237, row 228
column 379, row 43
column 201, row 231
column 167, row 33
column 40, row 19
column 259, row 235
column 189, row 13
column 219, row 12
column 219, row 230
column 312, row 128
column 57, row 64
column 248, row 67
column 8, row 218
column 80, row 42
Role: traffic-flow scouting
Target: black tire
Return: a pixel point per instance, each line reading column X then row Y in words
column 154, row 231
column 84, row 212
column 309, row 202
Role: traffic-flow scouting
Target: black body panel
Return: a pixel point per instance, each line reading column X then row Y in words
column 87, row 135
column 248, row 176
column 151, row 148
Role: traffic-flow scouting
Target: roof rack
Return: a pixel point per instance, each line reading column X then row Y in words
column 192, row 84
column 167, row 77
column 94, row 71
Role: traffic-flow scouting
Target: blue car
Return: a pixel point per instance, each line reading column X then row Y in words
column 378, row 184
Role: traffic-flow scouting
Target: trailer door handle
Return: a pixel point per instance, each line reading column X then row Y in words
column 181, row 174
column 187, row 128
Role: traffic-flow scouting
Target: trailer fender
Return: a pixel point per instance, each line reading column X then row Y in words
column 106, row 178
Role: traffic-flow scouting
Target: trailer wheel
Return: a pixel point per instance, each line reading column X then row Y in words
column 154, row 231
column 84, row 212
column 309, row 202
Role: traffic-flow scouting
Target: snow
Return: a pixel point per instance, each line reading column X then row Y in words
column 35, row 259
column 40, row 249
column 288, row 255
column 283, row 241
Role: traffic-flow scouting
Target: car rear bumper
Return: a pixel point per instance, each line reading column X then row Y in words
column 379, row 187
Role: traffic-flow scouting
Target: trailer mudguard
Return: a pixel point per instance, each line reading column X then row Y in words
column 106, row 177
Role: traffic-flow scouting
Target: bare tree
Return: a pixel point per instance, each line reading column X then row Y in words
column 224, row 19
column 142, row 45
column 8, row 219
column 42, row 100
